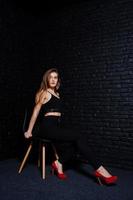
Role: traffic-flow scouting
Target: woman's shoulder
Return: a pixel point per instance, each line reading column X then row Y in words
column 41, row 96
column 45, row 94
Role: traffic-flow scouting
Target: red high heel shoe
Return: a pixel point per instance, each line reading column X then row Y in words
column 106, row 180
column 59, row 175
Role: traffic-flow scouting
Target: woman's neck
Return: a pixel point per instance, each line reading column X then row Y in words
column 52, row 91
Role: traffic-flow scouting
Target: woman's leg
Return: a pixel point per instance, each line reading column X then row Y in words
column 59, row 135
column 65, row 150
column 87, row 152
column 51, row 129
column 83, row 147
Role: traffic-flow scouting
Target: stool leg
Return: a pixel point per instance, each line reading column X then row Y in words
column 43, row 161
column 25, row 158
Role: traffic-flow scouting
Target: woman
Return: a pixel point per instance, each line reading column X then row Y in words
column 49, row 103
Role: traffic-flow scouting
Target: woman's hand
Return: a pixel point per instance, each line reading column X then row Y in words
column 28, row 134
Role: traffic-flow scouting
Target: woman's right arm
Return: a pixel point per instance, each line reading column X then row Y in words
column 34, row 116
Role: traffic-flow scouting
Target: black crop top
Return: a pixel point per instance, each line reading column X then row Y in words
column 53, row 105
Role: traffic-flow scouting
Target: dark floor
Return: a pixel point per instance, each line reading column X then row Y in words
column 79, row 186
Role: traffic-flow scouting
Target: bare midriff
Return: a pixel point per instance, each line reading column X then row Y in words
column 53, row 114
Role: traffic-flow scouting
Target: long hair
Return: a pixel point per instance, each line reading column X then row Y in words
column 45, row 83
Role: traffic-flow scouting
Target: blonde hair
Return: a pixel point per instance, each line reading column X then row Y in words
column 45, row 83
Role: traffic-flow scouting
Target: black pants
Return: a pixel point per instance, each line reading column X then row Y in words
column 52, row 129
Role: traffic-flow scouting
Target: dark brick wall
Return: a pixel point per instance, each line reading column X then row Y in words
column 90, row 42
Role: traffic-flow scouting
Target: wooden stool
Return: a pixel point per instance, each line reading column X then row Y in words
column 42, row 156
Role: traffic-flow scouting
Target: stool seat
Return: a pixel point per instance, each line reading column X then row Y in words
column 41, row 139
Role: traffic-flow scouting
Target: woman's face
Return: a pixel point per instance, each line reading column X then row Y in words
column 53, row 79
